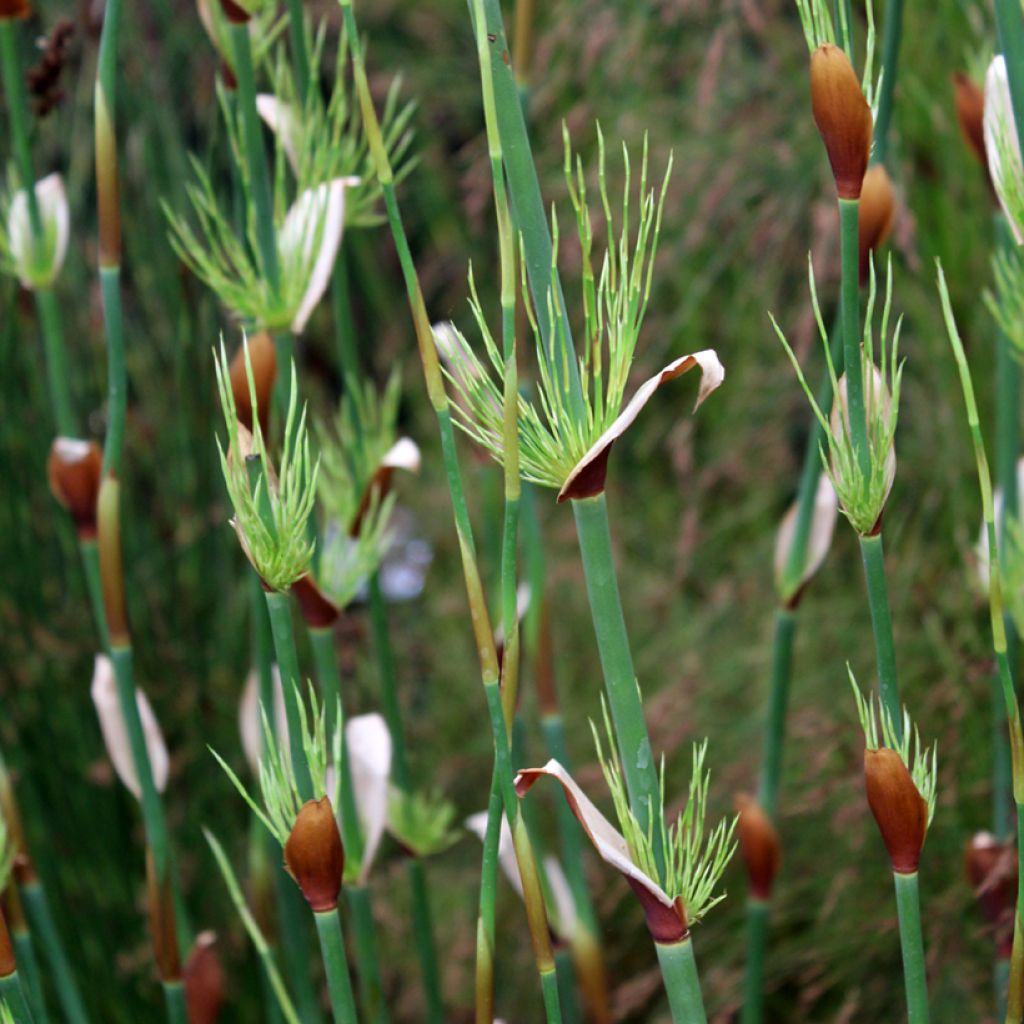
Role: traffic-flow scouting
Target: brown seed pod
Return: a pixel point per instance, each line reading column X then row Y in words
column 263, row 358
column 314, row 855
column 991, row 868
column 898, row 807
column 843, row 118
column 74, row 469
column 877, row 209
column 234, row 13
column 8, row 964
column 759, row 845
column 10, row 9
column 160, row 900
column 204, row 980
column 969, row 98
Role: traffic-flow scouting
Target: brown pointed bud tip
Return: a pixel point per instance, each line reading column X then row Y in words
column 318, row 611
column 11, row 9
column 314, row 855
column 759, row 845
column 843, row 117
column 204, row 980
column 877, row 209
column 74, row 469
column 162, row 930
column 991, row 868
column 235, row 14
column 263, row 358
column 969, row 98
column 899, row 809
column 8, row 964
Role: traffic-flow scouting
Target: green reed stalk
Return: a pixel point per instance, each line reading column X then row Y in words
column 474, row 587
column 49, row 315
column 37, row 909
column 371, row 987
column 255, row 935
column 332, row 949
column 12, row 992
column 174, row 997
column 844, row 21
column 28, row 968
column 423, row 922
column 679, row 969
column 300, row 52
column 344, row 328
column 892, row 31
column 565, row 971
column 881, row 621
column 849, row 303
column 1015, row 995
column 485, row 926
column 915, row 979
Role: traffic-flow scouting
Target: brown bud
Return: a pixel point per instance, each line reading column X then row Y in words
column 317, row 610
column 970, row 112
column 843, row 117
column 111, row 567
column 314, row 855
column 160, row 897
column 898, row 807
column 877, row 209
column 992, row 871
column 74, row 469
column 204, row 980
column 10, row 9
column 235, row 14
column 263, row 358
column 8, row 964
column 759, row 845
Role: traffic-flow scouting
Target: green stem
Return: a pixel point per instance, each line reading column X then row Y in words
column 849, row 301
column 56, row 361
column 892, row 30
column 371, row 988
column 426, row 944
column 281, row 627
column 12, row 992
column 174, row 1000
column 332, row 949
column 89, row 551
column 255, row 157
column 28, row 967
column 485, row 929
column 37, row 909
column 753, row 978
column 624, row 700
column 775, row 737
column 844, row 25
column 881, row 623
column 566, row 977
column 914, row 974
column 17, row 113
column 117, row 381
column 293, row 922
column 344, row 325
column 300, row 54
column 679, row 969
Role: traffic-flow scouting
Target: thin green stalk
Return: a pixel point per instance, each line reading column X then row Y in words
column 753, row 977
column 624, row 700
column 281, row 627
column 91, row 564
column 300, row 53
column 174, row 1000
column 915, row 977
column 566, row 977
column 37, row 909
column 325, row 662
column 28, row 968
column 892, row 30
column 679, row 968
column 474, row 586
column 292, row 919
column 849, row 302
column 485, row 929
column 844, row 23
column 255, row 156
column 775, row 736
column 423, row 925
column 117, row 381
column 56, row 361
column 881, row 623
column 12, row 992
column 344, row 325
column 371, row 988
column 17, row 111
column 332, row 949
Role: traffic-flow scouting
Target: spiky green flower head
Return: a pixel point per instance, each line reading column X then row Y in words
column 1006, row 302
column 359, row 454
column 565, row 435
column 323, row 140
column 1002, row 146
column 34, row 256
column 271, row 510
column 695, row 859
column 281, row 799
column 422, row 822
column 862, row 494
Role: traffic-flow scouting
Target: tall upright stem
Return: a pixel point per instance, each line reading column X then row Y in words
column 914, row 975
column 174, row 999
column 485, row 925
column 57, row 372
column 782, row 662
column 753, row 976
column 12, row 992
column 679, row 969
column 849, row 300
column 371, row 989
column 892, row 31
column 881, row 622
column 339, row 984
column 28, row 968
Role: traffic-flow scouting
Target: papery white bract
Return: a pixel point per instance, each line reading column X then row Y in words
column 250, row 726
column 368, row 748
column 1002, row 146
column 115, row 732
column 819, row 538
column 282, row 119
column 38, row 262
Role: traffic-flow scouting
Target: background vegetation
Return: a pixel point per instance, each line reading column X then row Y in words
column 695, row 501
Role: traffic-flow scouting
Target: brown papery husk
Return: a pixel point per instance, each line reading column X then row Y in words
column 898, row 807
column 876, row 214
column 74, row 468
column 204, row 980
column 162, row 930
column 263, row 359
column 314, row 855
column 8, row 963
column 759, row 846
column 318, row 611
column 843, row 118
column 991, row 867
column 969, row 98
